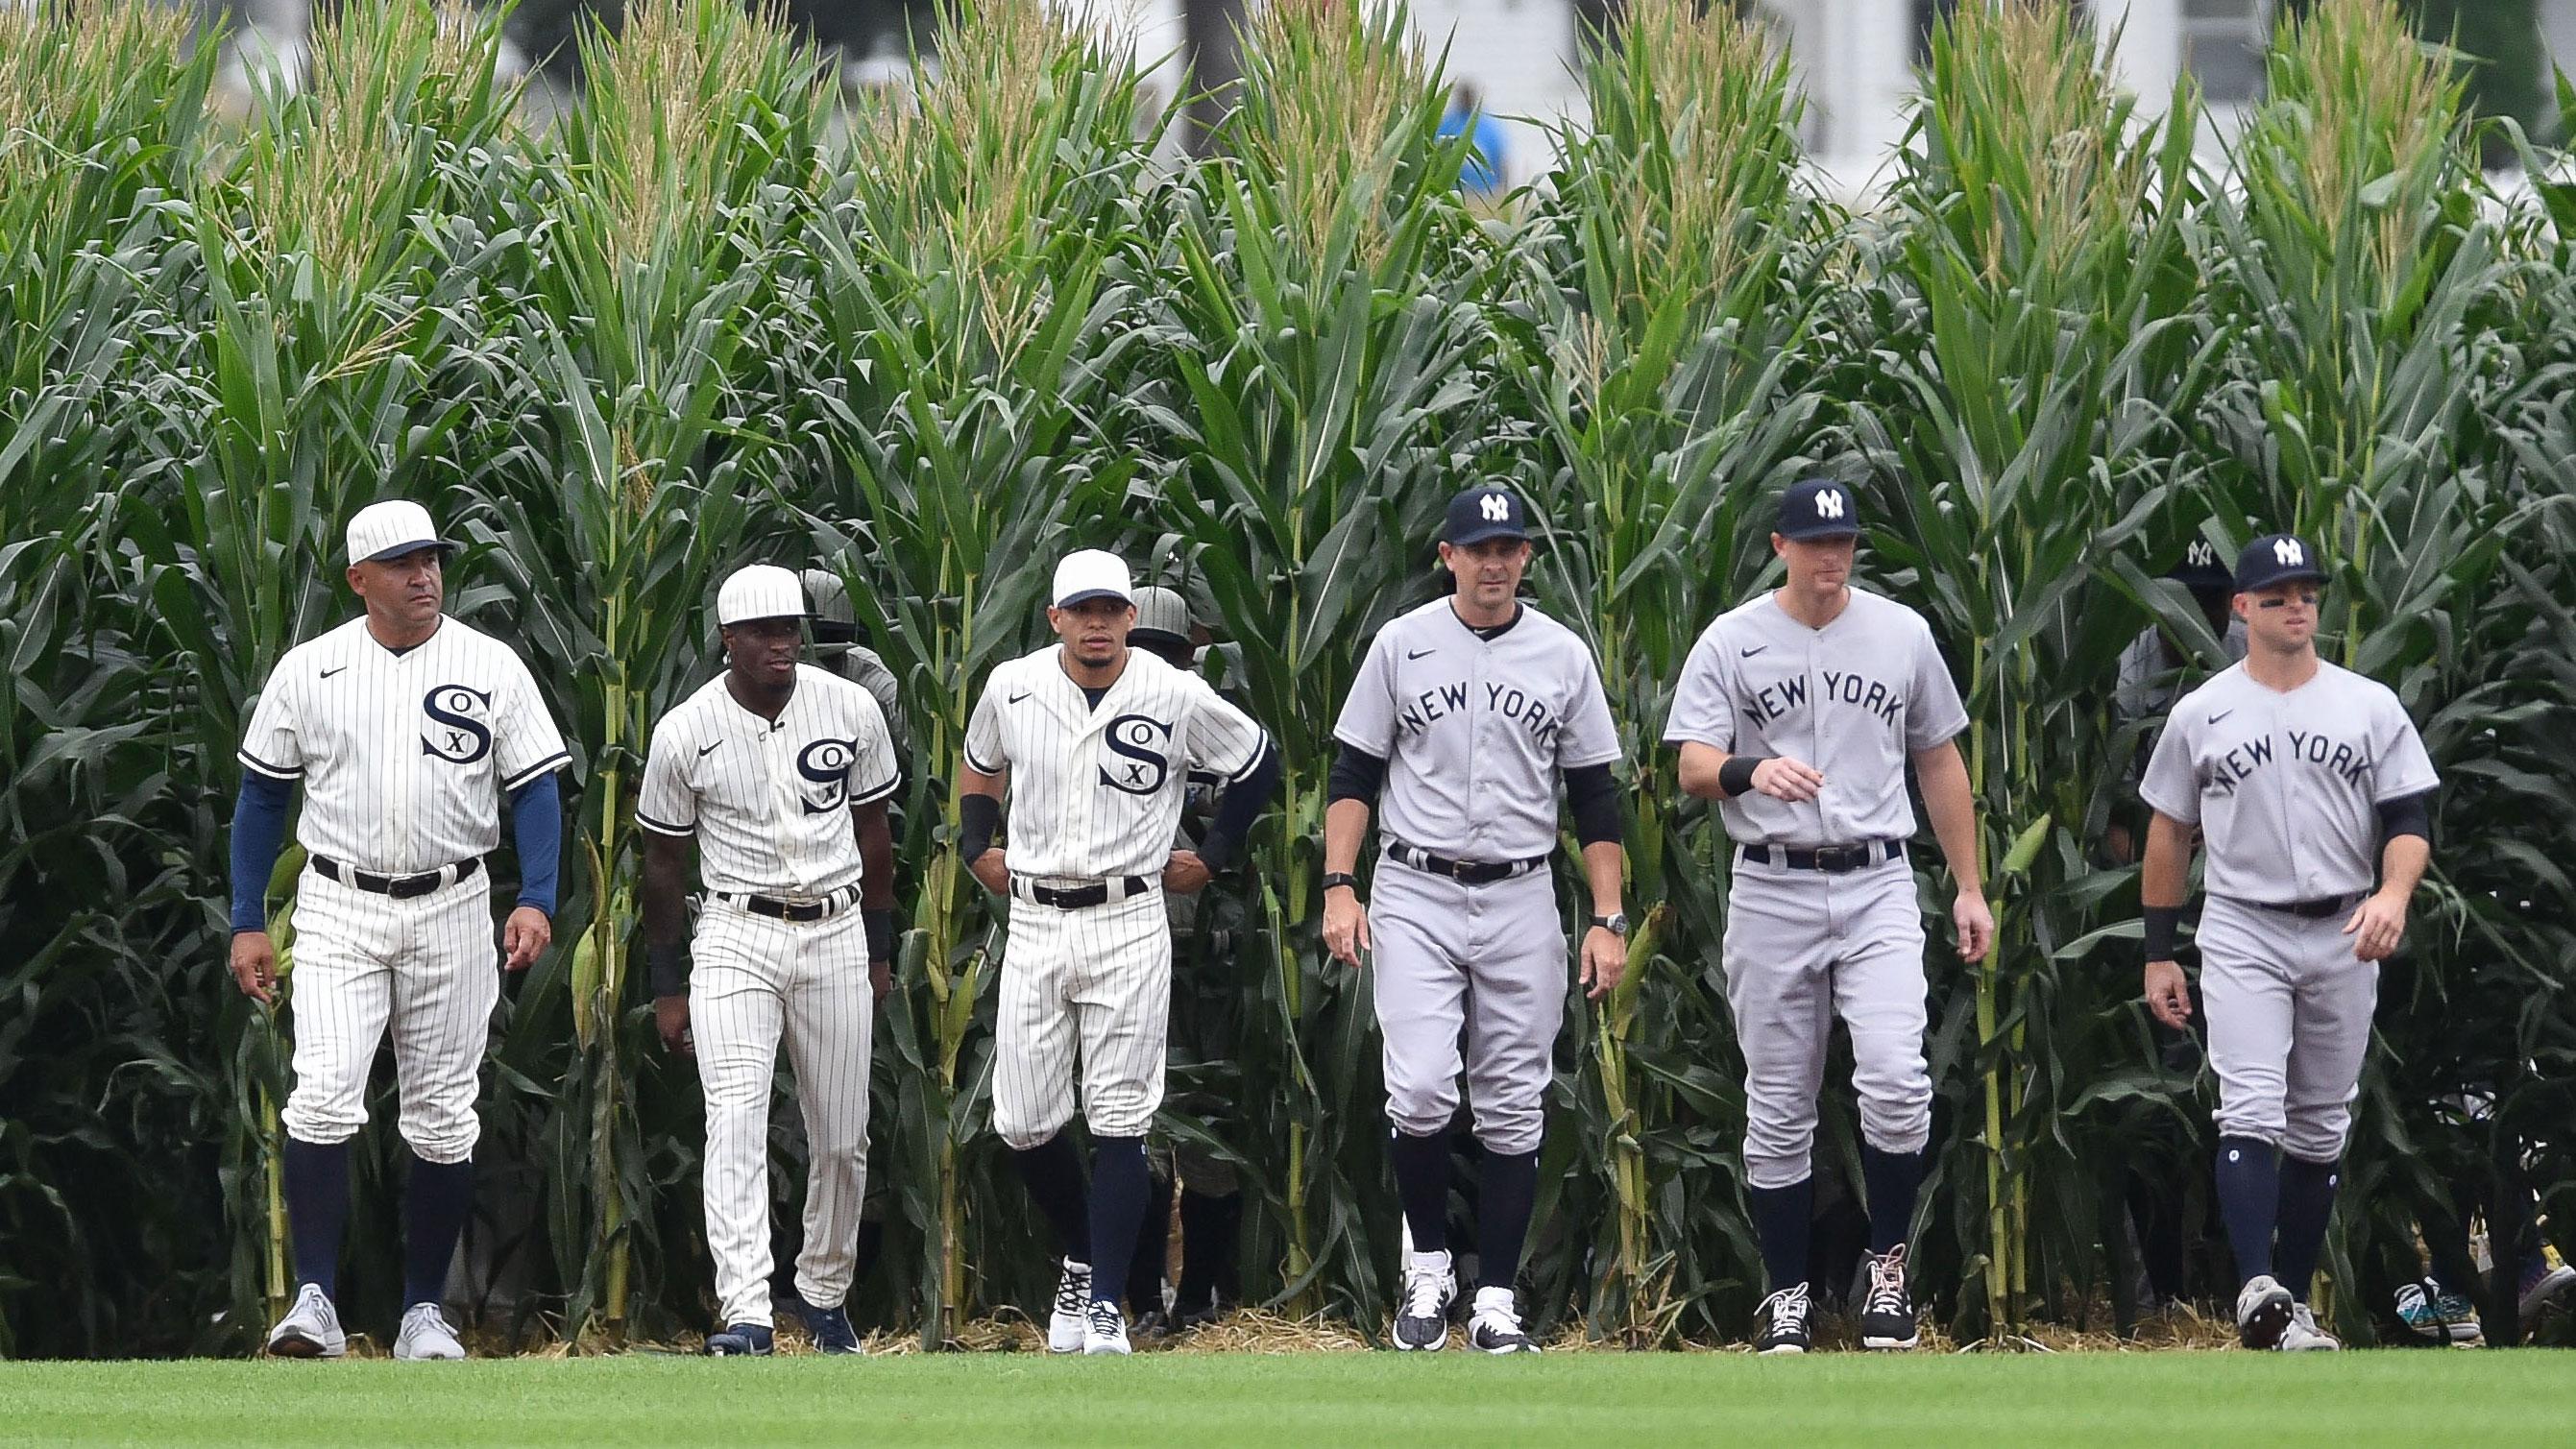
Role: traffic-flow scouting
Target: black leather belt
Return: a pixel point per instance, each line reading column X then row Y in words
column 1464, row 872
column 786, row 910
column 400, row 887
column 2315, row 910
column 1075, row 898
column 1831, row 859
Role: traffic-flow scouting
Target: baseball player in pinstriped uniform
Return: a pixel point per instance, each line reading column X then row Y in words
column 1466, row 713
column 1095, row 742
column 1798, row 712
column 837, row 648
column 781, row 771
column 2311, row 789
column 411, row 734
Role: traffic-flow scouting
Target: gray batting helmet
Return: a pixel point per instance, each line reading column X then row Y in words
column 1162, row 621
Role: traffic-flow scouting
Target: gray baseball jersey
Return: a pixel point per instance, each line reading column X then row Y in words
column 769, row 801
column 1476, row 732
column 2147, row 685
column 2286, row 786
column 1096, row 791
column 1854, row 699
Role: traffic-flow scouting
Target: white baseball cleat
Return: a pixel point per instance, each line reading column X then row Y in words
column 1496, row 1325
column 1104, row 1329
column 2262, row 1312
column 1072, row 1301
column 311, row 1329
column 425, row 1335
column 2303, row 1335
column 1422, row 1314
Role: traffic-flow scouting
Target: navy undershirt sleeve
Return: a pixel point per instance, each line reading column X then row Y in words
column 1240, row 807
column 1593, row 796
column 536, row 823
column 1357, row 775
column 259, row 834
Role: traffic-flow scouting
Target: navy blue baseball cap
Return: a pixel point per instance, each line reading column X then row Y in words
column 1482, row 512
column 1816, row 508
column 2200, row 570
column 2276, row 558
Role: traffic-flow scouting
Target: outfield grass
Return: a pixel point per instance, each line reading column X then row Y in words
column 2166, row 1400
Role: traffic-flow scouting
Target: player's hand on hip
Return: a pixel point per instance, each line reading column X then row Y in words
column 1185, row 874
column 2168, row 994
column 1605, row 960
column 255, row 965
column 1783, row 778
column 671, row 1019
column 2377, row 926
column 1346, row 929
column 524, row 937
column 992, row 871
column 1975, row 923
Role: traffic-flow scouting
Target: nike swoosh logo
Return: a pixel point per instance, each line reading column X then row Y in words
column 2222, row 714
column 711, row 749
column 327, row 673
column 1418, row 653
column 1756, row 649
column 1023, row 694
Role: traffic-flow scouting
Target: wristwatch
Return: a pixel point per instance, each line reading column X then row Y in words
column 1616, row 924
column 1341, row 878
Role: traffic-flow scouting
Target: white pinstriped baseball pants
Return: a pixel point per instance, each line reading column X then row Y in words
column 1100, row 978
column 429, row 968
column 757, row 980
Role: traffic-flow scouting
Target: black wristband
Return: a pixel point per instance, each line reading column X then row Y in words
column 1341, row 878
column 977, row 815
column 2161, row 923
column 667, row 967
column 881, row 936
column 1736, row 775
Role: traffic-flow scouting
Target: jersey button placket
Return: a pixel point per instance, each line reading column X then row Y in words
column 1480, row 828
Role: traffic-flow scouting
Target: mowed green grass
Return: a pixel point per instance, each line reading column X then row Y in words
column 1637, row 1400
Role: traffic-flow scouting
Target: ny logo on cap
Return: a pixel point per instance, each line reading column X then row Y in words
column 2287, row 551
column 1829, row 503
column 2200, row 555
column 1496, row 507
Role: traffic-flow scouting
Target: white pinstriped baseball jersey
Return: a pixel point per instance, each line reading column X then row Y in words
column 404, row 758
column 770, row 802
column 1853, row 699
column 1477, row 731
column 1096, row 791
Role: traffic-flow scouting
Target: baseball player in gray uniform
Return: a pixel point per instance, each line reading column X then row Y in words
column 2311, row 788
column 1798, row 713
column 781, row 773
column 411, row 735
column 1465, row 716
column 1095, row 742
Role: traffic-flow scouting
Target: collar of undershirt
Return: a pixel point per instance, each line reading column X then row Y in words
column 369, row 630
column 1489, row 632
column 1092, row 696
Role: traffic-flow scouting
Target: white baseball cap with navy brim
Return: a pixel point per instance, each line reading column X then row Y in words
column 1091, row 573
column 391, row 529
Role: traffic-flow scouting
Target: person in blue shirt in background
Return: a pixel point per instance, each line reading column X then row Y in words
column 1483, row 174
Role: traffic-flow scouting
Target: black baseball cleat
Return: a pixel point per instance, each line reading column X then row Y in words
column 1495, row 1327
column 1784, row 1329
column 1886, row 1309
column 830, row 1329
column 1422, row 1314
column 741, row 1340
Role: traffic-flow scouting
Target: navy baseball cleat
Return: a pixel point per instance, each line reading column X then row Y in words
column 1495, row 1327
column 2262, row 1312
column 742, row 1340
column 1887, row 1309
column 830, row 1329
column 1422, row 1315
column 1786, row 1328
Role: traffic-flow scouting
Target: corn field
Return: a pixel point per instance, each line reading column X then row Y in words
column 717, row 313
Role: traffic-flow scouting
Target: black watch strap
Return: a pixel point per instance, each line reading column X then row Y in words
column 1341, row 878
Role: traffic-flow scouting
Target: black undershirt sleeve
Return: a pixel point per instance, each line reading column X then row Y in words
column 1239, row 807
column 2406, row 815
column 1593, row 796
column 1357, row 775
